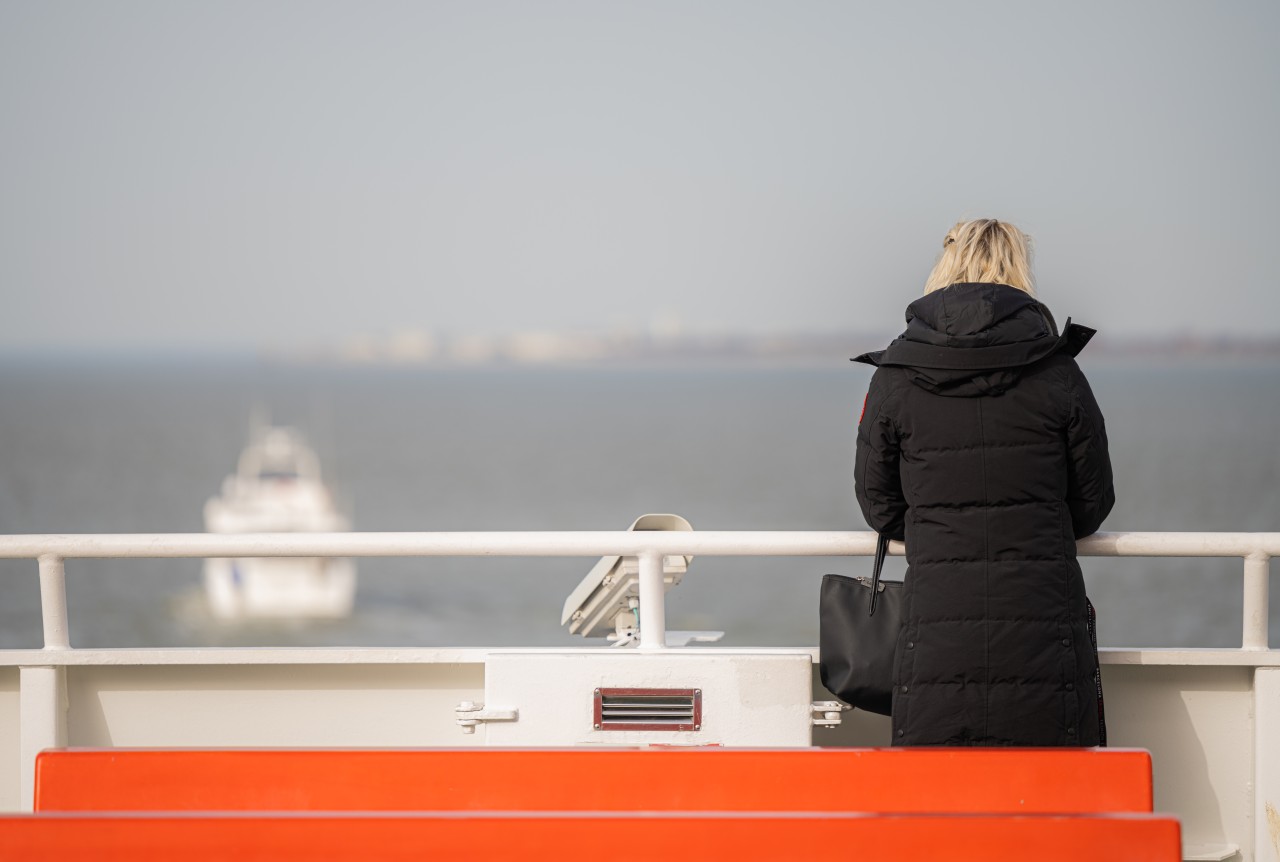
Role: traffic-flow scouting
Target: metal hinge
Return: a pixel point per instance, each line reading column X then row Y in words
column 826, row 713
column 470, row 714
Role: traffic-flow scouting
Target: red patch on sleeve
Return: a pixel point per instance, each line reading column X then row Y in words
column 864, row 407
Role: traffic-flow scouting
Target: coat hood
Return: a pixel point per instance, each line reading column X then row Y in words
column 975, row 339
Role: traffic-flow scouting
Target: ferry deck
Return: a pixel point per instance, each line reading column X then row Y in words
column 1209, row 717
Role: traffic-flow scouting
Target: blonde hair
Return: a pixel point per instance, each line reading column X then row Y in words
column 983, row 250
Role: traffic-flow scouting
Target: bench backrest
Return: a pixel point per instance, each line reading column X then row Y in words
column 904, row 780
column 696, row 838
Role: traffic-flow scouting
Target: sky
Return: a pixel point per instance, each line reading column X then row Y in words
column 249, row 175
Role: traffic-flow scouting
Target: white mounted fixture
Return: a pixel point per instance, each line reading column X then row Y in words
column 610, row 601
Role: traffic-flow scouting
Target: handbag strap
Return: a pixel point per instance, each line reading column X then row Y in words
column 882, row 546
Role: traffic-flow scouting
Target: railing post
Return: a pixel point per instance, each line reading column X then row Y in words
column 53, row 602
column 1256, row 612
column 653, row 608
column 42, row 721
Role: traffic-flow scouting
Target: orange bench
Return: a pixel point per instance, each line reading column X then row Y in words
column 695, row 837
column 901, row 780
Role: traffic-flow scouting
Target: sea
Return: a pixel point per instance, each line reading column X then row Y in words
column 137, row 445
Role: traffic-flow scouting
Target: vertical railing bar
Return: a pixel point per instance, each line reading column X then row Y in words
column 53, row 601
column 653, row 607
column 1255, row 635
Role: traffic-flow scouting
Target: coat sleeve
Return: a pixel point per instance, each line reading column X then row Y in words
column 1090, row 493
column 877, row 480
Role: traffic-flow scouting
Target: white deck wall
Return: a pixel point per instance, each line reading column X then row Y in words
column 10, row 759
column 1198, row 711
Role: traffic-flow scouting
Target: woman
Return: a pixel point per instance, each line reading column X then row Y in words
column 981, row 446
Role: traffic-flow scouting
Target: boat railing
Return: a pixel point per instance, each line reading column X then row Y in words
column 648, row 547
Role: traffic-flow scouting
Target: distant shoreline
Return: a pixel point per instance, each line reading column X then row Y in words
column 554, row 350
column 546, row 350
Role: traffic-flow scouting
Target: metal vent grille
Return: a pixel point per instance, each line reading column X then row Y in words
column 648, row 709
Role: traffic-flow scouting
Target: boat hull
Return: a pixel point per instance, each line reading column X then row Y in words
column 266, row 587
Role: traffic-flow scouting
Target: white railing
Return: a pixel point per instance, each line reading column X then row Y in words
column 649, row 547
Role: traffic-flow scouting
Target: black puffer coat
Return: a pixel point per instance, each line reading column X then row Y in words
column 982, row 446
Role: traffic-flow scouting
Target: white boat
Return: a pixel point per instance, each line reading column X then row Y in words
column 277, row 488
column 1209, row 717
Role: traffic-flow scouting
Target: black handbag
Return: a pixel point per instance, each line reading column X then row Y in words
column 858, row 624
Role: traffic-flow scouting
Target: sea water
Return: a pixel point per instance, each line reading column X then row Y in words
column 138, row 446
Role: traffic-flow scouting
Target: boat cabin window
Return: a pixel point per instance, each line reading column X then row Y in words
column 278, row 475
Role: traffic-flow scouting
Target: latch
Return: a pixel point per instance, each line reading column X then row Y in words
column 470, row 714
column 826, row 713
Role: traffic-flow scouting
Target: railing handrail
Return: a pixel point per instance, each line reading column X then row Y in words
column 648, row 546
column 585, row 543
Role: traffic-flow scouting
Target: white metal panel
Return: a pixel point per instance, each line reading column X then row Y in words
column 1197, row 723
column 9, row 730
column 248, row 705
column 747, row 699
column 42, row 721
column 1267, row 763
